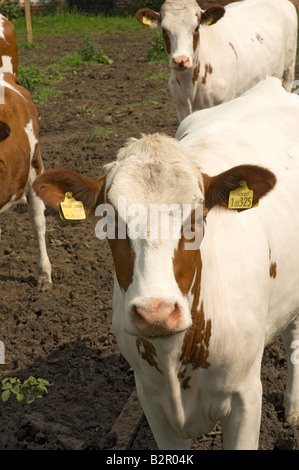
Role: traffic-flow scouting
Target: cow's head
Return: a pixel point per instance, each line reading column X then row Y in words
column 180, row 21
column 157, row 267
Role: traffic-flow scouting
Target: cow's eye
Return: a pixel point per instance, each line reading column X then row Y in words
column 164, row 31
column 196, row 29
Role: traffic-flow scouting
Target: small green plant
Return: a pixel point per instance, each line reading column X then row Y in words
column 38, row 84
column 157, row 52
column 157, row 75
column 11, row 9
column 143, row 104
column 30, row 76
column 91, row 54
column 29, row 390
column 93, row 111
column 44, row 94
column 88, row 55
column 102, row 133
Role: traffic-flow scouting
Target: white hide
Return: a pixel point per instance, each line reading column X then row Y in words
column 253, row 40
column 246, row 306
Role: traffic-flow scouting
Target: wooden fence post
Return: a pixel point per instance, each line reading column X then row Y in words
column 28, row 20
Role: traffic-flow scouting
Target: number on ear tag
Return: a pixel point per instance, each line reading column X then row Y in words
column 241, row 198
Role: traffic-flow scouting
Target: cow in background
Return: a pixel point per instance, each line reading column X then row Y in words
column 192, row 317
column 20, row 159
column 218, row 53
column 8, row 46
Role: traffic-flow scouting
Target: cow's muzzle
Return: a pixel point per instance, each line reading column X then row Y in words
column 157, row 317
column 181, row 63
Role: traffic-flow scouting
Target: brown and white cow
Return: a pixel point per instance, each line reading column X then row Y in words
column 192, row 318
column 20, row 159
column 8, row 46
column 218, row 53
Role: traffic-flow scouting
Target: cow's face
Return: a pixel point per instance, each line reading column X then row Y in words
column 180, row 22
column 155, row 262
column 149, row 203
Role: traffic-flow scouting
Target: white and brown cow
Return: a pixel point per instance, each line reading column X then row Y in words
column 218, row 53
column 193, row 321
column 20, row 159
column 8, row 46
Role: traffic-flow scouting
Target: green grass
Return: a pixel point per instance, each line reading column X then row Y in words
column 36, row 81
column 70, row 23
column 144, row 104
column 41, row 83
column 157, row 75
column 88, row 55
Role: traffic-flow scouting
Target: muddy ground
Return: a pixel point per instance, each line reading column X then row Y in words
column 65, row 335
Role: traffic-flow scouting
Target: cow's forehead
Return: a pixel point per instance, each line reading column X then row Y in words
column 179, row 10
column 154, row 170
column 181, row 14
column 174, row 5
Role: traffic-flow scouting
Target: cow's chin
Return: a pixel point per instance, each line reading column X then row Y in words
column 150, row 337
column 179, row 68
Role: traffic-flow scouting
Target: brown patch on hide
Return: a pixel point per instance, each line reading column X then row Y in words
column 149, row 352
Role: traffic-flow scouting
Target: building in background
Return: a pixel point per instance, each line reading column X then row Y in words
column 94, row 6
column 87, row 6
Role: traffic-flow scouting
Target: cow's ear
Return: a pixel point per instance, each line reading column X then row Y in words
column 148, row 18
column 212, row 14
column 249, row 182
column 52, row 186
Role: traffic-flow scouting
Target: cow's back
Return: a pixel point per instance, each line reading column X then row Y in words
column 17, row 150
column 251, row 130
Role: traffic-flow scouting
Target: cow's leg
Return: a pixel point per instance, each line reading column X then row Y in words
column 291, row 399
column 165, row 435
column 241, row 427
column 37, row 218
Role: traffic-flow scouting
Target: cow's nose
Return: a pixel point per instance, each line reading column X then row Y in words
column 157, row 317
column 180, row 62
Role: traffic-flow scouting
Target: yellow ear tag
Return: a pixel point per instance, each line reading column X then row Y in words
column 241, row 198
column 209, row 20
column 70, row 209
column 146, row 20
